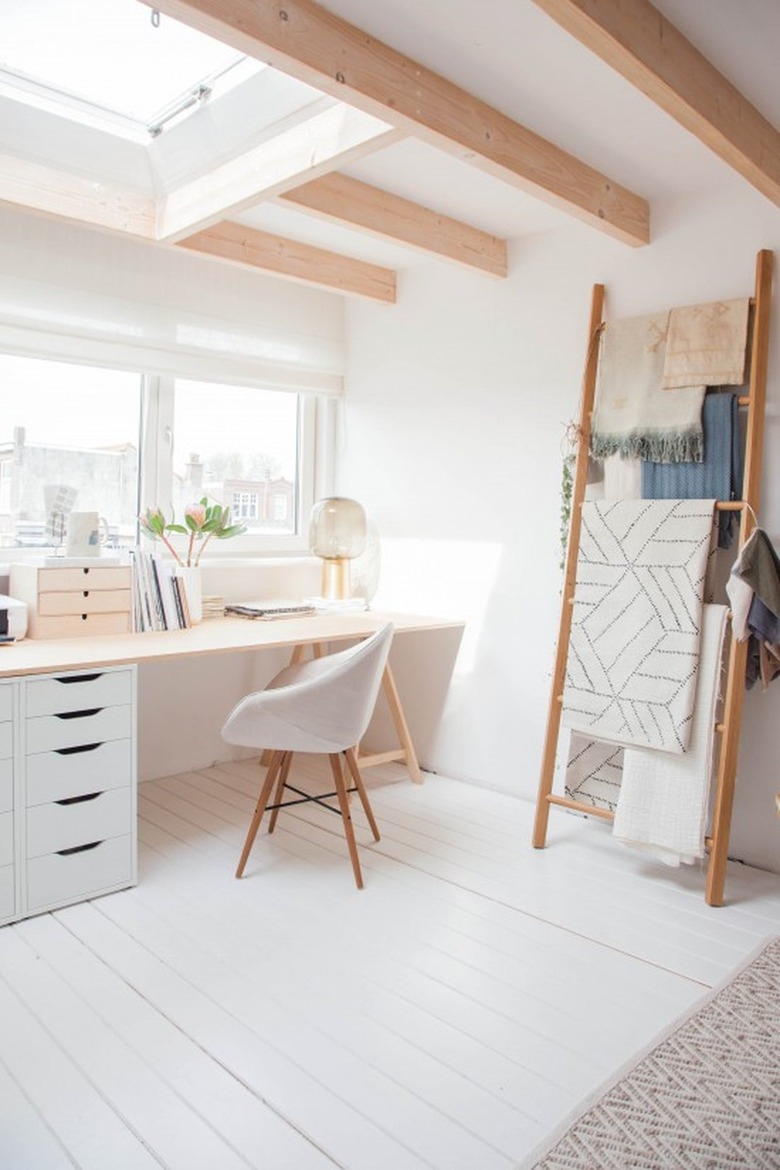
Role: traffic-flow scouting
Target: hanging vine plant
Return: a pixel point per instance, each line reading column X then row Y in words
column 569, row 445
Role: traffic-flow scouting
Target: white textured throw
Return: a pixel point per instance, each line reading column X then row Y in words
column 634, row 648
column 663, row 802
column 633, row 416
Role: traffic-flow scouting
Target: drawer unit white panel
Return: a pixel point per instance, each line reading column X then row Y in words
column 58, row 878
column 75, row 771
column 6, row 785
column 6, row 838
column 47, row 733
column 6, row 703
column 6, row 741
column 7, row 899
column 77, row 692
column 78, row 821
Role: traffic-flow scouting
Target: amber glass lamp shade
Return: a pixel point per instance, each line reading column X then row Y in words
column 337, row 533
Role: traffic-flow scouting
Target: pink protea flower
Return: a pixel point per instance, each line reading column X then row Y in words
column 195, row 515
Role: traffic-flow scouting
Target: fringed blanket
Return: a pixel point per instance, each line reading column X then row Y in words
column 717, row 477
column 633, row 653
column 633, row 416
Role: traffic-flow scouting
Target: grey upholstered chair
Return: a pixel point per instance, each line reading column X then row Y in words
column 321, row 706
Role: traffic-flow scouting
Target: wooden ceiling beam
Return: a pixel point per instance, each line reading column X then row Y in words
column 640, row 43
column 46, row 189
column 306, row 41
column 326, row 138
column 342, row 199
column 288, row 258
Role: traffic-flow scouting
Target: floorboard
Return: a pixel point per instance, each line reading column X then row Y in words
column 446, row 1017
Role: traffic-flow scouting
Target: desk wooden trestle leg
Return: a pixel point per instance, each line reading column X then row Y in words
column 405, row 752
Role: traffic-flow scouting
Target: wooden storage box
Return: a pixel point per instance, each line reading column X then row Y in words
column 72, row 601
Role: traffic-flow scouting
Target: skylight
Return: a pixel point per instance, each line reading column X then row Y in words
column 111, row 62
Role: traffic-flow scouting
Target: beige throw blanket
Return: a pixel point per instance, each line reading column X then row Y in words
column 633, row 415
column 706, row 345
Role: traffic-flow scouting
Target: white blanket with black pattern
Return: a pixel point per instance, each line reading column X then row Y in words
column 634, row 649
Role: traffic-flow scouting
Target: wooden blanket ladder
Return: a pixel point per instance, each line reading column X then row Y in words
column 734, row 690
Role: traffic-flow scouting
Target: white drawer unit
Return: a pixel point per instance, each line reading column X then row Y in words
column 6, row 839
column 71, row 875
column 6, row 785
column 67, row 788
column 78, row 692
column 77, row 820
column 46, row 733
column 8, row 871
column 77, row 771
column 7, row 893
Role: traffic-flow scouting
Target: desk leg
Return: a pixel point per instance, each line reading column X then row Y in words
column 405, row 752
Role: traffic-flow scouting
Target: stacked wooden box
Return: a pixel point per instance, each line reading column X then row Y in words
column 74, row 600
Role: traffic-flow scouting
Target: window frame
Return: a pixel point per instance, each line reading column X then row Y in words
column 315, row 471
column 316, row 439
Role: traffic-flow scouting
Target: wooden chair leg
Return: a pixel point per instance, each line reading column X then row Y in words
column 354, row 770
column 349, row 832
column 260, row 807
column 284, row 772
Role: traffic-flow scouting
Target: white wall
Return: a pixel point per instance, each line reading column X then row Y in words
column 457, row 399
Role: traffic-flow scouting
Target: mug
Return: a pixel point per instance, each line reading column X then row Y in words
column 86, row 532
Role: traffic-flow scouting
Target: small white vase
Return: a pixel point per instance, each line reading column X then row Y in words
column 190, row 576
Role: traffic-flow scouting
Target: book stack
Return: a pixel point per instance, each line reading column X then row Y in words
column 159, row 596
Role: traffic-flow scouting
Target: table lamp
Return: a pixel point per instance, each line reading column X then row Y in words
column 337, row 533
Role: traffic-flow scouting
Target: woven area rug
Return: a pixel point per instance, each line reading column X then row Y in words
column 706, row 1096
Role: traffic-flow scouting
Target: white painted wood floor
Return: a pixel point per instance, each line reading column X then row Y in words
column 446, row 1016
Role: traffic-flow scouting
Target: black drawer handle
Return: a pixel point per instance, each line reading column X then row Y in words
column 79, row 799
column 79, row 678
column 78, row 849
column 86, row 714
column 82, row 747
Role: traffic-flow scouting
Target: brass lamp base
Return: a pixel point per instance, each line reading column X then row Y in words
column 335, row 578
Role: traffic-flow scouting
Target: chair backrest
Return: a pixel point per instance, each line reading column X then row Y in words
column 324, row 705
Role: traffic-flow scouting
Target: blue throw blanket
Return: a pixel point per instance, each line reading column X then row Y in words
column 719, row 477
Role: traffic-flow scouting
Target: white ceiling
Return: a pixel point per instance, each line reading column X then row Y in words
column 510, row 54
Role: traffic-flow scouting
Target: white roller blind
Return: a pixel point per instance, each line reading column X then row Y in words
column 77, row 294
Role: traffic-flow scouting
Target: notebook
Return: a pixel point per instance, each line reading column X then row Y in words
column 270, row 609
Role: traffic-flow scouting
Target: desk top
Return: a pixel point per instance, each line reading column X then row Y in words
column 212, row 636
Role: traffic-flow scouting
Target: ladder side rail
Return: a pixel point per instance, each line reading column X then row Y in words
column 575, row 522
column 735, row 679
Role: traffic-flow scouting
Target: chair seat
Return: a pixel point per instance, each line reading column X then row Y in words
column 321, row 706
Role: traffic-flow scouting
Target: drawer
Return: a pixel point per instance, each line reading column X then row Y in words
column 88, row 601
column 6, row 703
column 6, row 741
column 92, row 725
column 80, row 625
column 78, row 821
column 74, row 579
column 58, row 878
column 78, row 692
column 6, row 785
column 7, row 899
column 6, row 838
column 75, row 771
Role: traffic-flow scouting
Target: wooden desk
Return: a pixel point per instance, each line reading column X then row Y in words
column 224, row 636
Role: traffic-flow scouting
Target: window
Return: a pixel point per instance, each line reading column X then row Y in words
column 68, row 441
column 95, row 439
